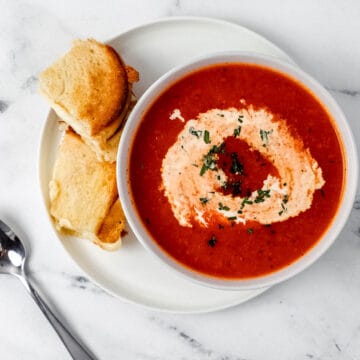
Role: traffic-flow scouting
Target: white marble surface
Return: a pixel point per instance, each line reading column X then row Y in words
column 313, row 316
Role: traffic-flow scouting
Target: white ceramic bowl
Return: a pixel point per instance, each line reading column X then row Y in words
column 314, row 253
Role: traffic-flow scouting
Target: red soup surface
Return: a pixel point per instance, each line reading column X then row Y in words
column 220, row 244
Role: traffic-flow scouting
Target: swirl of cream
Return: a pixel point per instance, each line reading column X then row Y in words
column 190, row 181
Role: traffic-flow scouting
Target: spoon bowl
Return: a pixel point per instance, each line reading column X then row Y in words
column 12, row 252
column 12, row 262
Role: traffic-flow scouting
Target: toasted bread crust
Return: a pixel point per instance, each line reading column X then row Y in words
column 106, row 147
column 89, row 84
column 113, row 225
column 82, row 189
column 132, row 74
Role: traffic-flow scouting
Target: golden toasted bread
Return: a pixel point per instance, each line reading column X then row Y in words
column 90, row 89
column 106, row 148
column 112, row 228
column 88, row 86
column 83, row 194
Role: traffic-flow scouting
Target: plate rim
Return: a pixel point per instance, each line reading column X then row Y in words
column 205, row 19
column 40, row 160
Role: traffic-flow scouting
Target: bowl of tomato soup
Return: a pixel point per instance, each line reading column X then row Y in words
column 237, row 170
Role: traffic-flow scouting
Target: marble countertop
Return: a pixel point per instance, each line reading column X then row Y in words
column 315, row 315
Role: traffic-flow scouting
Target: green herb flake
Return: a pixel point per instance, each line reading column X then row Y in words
column 236, row 166
column 203, row 170
column 223, row 207
column 237, row 131
column 283, row 207
column 261, row 195
column 207, row 137
column 221, row 115
column 209, row 164
column 246, row 201
column 194, row 132
column 240, row 119
column 217, row 149
column 264, row 136
column 285, row 199
column 250, row 231
column 209, row 160
column 232, row 218
column 204, row 200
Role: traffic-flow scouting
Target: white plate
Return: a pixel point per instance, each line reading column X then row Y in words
column 132, row 274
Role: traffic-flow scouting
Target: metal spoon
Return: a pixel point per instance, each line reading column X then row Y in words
column 12, row 261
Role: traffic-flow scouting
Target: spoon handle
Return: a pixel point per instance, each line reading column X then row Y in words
column 76, row 350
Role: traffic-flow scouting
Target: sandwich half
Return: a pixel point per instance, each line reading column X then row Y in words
column 83, row 194
column 90, row 89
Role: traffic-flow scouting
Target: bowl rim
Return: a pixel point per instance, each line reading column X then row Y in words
column 345, row 137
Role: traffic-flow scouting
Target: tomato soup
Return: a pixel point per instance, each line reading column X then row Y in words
column 236, row 170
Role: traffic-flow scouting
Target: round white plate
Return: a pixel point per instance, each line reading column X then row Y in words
column 132, row 274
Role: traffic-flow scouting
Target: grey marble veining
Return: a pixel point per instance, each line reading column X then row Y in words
column 3, row 106
column 348, row 92
column 82, row 283
column 313, row 316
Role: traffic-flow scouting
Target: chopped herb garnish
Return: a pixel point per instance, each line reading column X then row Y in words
column 264, row 135
column 250, row 231
column 218, row 177
column 284, row 184
column 204, row 200
column 283, row 208
column 210, row 160
column 232, row 218
column 236, row 166
column 239, row 212
column 285, row 199
column 203, row 170
column 223, row 207
column 246, row 201
column 207, row 137
column 217, row 149
column 237, row 131
column 240, row 118
column 261, row 195
column 194, row 132
column 209, row 164
column 221, row 115
column 212, row 242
